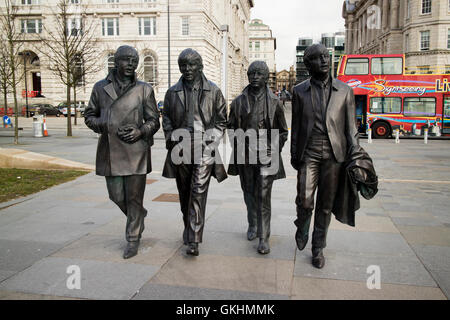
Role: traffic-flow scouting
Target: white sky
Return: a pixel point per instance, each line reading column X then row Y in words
column 291, row 19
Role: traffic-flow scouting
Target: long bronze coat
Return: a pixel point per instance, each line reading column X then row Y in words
column 239, row 119
column 107, row 111
column 340, row 120
column 213, row 112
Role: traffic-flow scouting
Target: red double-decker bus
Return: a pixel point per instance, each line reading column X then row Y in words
column 389, row 96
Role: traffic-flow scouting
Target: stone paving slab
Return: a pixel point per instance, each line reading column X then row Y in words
column 353, row 267
column 18, row 255
column 434, row 257
column 319, row 289
column 228, row 273
column 10, row 295
column 438, row 236
column 99, row 280
column 236, row 244
column 153, row 291
column 152, row 251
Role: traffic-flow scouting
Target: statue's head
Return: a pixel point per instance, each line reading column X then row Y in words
column 191, row 64
column 317, row 59
column 258, row 74
column 126, row 60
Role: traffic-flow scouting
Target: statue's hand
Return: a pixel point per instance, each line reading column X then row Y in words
column 129, row 134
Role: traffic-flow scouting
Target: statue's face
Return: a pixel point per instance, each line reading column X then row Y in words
column 318, row 61
column 257, row 78
column 127, row 63
column 191, row 69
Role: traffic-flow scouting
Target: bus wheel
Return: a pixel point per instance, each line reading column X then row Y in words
column 381, row 130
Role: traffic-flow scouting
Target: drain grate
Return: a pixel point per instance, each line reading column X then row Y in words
column 167, row 197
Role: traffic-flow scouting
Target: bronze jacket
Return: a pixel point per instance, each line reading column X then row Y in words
column 213, row 112
column 239, row 118
column 340, row 120
column 106, row 112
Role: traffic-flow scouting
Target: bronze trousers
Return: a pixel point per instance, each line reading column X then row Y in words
column 127, row 192
column 193, row 183
column 257, row 191
column 318, row 170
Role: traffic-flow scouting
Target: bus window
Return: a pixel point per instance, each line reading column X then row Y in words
column 419, row 107
column 387, row 65
column 357, row 66
column 386, row 105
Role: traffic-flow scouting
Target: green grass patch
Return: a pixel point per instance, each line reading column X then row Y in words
column 15, row 183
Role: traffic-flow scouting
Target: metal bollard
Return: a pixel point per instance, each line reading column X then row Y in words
column 369, row 136
column 425, row 132
column 397, row 136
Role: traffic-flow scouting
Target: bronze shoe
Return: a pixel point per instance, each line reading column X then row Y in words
column 131, row 250
column 301, row 241
column 251, row 233
column 192, row 249
column 263, row 247
column 318, row 260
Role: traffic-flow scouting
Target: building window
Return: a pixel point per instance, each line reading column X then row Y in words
column 110, row 26
column 78, row 72
column 257, row 45
column 75, row 1
column 147, row 26
column 30, row 2
column 74, row 26
column 31, row 26
column 110, row 62
column 112, row 1
column 426, row 6
column 448, row 38
column 185, row 26
column 425, row 40
column 150, row 70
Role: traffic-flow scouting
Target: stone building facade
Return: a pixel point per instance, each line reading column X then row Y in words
column 286, row 79
column 143, row 24
column 420, row 29
column 262, row 47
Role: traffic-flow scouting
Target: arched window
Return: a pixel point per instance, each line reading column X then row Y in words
column 150, row 70
column 110, row 62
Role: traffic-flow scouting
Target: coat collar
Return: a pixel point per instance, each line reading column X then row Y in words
column 272, row 102
column 109, row 88
column 307, row 85
column 205, row 84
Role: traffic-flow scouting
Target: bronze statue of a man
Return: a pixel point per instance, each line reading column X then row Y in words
column 323, row 133
column 123, row 111
column 195, row 110
column 260, row 114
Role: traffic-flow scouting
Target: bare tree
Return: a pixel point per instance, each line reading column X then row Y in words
column 12, row 42
column 66, row 41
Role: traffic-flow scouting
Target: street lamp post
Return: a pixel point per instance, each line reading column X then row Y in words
column 168, row 40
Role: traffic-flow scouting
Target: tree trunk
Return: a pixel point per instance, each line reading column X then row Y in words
column 75, row 103
column 5, row 97
column 69, row 113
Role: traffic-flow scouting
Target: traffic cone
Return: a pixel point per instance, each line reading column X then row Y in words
column 45, row 129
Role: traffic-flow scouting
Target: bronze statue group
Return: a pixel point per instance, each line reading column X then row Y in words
column 324, row 146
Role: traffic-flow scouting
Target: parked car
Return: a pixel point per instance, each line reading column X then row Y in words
column 63, row 108
column 48, row 110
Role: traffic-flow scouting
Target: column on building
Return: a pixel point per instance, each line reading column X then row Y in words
column 349, row 35
column 364, row 29
column 385, row 12
column 394, row 14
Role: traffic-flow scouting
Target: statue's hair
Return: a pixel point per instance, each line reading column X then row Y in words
column 311, row 49
column 122, row 50
column 258, row 65
column 190, row 55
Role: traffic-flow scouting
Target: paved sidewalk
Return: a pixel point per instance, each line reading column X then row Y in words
column 405, row 230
